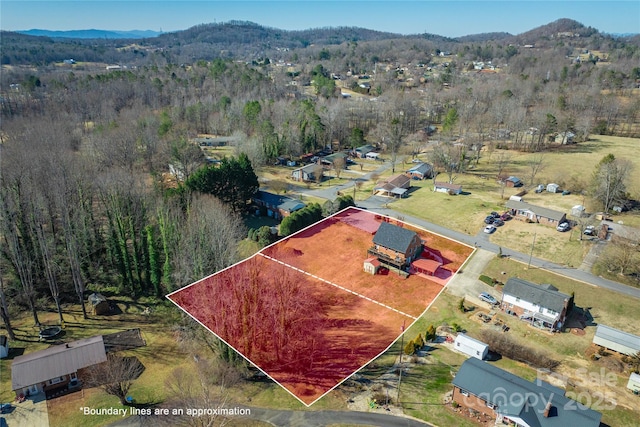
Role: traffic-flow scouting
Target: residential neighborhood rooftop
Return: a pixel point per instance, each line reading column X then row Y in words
column 56, row 361
column 393, row 237
column 517, row 398
column 537, row 210
column 546, row 295
column 619, row 337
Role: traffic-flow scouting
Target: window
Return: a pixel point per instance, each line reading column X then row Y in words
column 464, row 393
column 56, row 380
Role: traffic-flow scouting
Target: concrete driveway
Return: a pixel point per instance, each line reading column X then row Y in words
column 466, row 284
column 30, row 413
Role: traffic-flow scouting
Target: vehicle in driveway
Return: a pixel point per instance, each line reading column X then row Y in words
column 498, row 222
column 489, row 219
column 488, row 298
column 495, row 214
column 590, row 230
column 563, row 226
column 489, row 229
column 505, row 216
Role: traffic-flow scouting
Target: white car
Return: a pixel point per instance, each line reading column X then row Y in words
column 563, row 227
column 488, row 298
column 489, row 229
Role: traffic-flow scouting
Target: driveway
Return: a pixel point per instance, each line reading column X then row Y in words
column 466, row 284
column 30, row 413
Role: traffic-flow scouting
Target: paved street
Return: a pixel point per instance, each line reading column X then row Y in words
column 482, row 241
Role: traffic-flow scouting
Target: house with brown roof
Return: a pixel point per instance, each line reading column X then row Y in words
column 445, row 187
column 396, row 186
column 56, row 367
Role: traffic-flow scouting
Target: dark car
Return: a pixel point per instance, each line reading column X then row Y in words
column 489, row 220
column 495, row 214
column 505, row 216
column 498, row 222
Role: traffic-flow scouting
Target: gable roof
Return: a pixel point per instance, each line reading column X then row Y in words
column 281, row 202
column 617, row 336
column 546, row 296
column 393, row 237
column 364, row 149
column 537, row 210
column 394, row 185
column 446, row 185
column 422, row 168
column 516, row 397
column 56, row 361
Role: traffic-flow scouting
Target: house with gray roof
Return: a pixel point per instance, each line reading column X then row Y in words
column 541, row 305
column 616, row 340
column 277, row 206
column 396, row 246
column 55, row 367
column 482, row 387
column 420, row 171
column 308, row 173
column 524, row 211
column 362, row 151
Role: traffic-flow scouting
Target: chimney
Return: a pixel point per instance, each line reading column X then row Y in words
column 547, row 409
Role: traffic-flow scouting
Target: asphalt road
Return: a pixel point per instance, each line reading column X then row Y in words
column 286, row 418
column 482, row 241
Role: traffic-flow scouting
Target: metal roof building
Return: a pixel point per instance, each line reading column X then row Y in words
column 56, row 361
column 617, row 340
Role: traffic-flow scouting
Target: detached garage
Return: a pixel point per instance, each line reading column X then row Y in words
column 471, row 347
column 617, row 340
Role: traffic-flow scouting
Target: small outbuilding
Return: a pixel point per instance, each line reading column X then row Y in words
column 578, row 211
column 553, row 188
column 634, row 383
column 4, row 346
column 445, row 187
column 471, row 346
column 426, row 266
column 99, row 304
column 616, row 340
column 371, row 265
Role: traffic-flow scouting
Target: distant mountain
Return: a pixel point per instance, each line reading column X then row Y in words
column 92, row 34
column 560, row 28
column 483, row 37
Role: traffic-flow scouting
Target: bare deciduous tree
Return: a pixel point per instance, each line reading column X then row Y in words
column 115, row 376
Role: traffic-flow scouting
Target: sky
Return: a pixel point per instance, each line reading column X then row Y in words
column 452, row 18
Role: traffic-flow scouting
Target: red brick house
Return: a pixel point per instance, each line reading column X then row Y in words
column 482, row 388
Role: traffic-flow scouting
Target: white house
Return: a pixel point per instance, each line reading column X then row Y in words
column 4, row 346
column 470, row 346
column 541, row 305
column 634, row 383
column 616, row 340
column 445, row 187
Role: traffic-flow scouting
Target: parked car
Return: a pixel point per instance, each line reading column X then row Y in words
column 505, row 216
column 590, row 230
column 563, row 226
column 539, row 188
column 495, row 214
column 498, row 222
column 489, row 229
column 489, row 219
column 488, row 298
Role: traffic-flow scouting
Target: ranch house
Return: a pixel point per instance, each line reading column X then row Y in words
column 484, row 388
column 524, row 211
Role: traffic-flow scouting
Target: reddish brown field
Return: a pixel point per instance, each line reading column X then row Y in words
column 345, row 334
column 304, row 311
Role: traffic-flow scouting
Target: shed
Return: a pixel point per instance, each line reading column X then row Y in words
column 578, row 211
column 371, row 265
column 616, row 340
column 471, row 346
column 99, row 304
column 4, row 346
column 513, row 181
column 426, row 266
column 634, row 383
column 553, row 188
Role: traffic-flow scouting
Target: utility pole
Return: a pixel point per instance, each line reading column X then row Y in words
column 400, row 363
column 531, row 253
